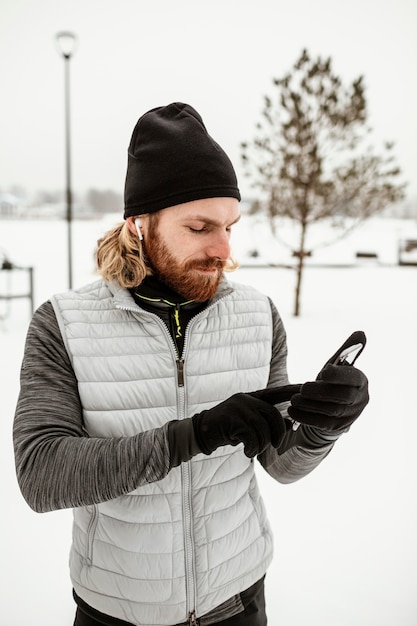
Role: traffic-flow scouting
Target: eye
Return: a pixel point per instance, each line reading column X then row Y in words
column 198, row 230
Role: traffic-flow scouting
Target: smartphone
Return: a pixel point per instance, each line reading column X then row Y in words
column 349, row 355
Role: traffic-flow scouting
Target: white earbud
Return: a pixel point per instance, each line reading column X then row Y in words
column 138, row 228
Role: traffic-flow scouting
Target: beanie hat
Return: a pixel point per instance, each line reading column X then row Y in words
column 172, row 159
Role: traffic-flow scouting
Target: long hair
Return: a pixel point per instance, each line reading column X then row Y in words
column 120, row 256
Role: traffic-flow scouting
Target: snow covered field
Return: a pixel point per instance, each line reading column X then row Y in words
column 345, row 536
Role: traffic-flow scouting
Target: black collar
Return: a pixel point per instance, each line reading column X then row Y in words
column 154, row 293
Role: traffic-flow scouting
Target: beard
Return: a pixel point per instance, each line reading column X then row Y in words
column 182, row 277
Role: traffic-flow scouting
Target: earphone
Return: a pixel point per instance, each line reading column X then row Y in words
column 138, row 228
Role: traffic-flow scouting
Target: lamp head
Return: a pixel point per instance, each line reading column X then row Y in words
column 66, row 43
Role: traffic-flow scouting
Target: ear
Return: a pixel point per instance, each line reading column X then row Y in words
column 134, row 226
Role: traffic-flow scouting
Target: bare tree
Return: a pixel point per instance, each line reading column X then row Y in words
column 311, row 157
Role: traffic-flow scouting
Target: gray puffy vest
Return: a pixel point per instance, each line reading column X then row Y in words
column 199, row 536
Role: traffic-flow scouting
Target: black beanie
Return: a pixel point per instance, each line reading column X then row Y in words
column 172, row 159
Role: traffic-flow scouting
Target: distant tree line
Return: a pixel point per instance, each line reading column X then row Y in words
column 106, row 201
column 94, row 201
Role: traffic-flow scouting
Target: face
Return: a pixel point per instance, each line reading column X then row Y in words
column 187, row 246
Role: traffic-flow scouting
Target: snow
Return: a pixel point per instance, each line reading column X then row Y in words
column 345, row 548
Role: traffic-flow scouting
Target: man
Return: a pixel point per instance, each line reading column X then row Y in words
column 143, row 401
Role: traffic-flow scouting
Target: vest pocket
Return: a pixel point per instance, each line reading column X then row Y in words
column 91, row 531
column 257, row 506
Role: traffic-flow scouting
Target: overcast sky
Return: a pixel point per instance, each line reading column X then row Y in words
column 218, row 55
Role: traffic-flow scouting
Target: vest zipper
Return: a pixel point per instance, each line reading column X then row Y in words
column 185, row 483
column 188, row 540
column 192, row 619
column 186, row 468
column 190, row 573
column 180, row 372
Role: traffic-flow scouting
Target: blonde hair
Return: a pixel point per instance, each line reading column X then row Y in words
column 120, row 256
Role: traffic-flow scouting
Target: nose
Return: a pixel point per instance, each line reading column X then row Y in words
column 219, row 246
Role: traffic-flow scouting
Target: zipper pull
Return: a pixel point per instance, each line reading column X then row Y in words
column 192, row 619
column 180, row 372
column 178, row 332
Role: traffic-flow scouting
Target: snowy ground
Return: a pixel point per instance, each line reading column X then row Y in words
column 345, row 540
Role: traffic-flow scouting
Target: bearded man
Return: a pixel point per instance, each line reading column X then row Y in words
column 146, row 397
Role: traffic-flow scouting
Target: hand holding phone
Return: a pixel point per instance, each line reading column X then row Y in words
column 337, row 397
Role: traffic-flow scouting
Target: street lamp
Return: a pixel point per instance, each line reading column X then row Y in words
column 66, row 43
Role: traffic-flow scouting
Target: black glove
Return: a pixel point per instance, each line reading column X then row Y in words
column 332, row 402
column 339, row 394
column 242, row 418
column 337, row 397
column 276, row 395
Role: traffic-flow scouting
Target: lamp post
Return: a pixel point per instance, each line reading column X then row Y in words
column 66, row 44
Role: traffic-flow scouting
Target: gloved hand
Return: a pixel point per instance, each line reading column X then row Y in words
column 337, row 397
column 332, row 402
column 242, row 418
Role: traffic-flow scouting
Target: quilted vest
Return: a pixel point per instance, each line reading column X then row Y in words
column 196, row 538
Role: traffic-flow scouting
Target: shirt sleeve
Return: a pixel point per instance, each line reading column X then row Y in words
column 57, row 464
column 305, row 447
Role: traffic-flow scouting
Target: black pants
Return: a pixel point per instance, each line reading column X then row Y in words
column 253, row 615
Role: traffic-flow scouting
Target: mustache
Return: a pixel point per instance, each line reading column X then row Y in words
column 205, row 264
